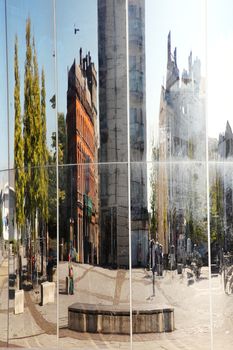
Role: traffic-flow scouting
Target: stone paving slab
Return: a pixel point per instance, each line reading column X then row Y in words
column 189, row 298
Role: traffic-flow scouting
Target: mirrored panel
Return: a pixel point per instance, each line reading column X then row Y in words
column 92, row 78
column 220, row 187
column 32, row 182
column 167, row 59
column 31, row 60
column 113, row 94
column 94, row 291
column 169, row 246
column 77, row 62
column 3, row 89
column 220, row 54
column 33, row 271
column 4, row 253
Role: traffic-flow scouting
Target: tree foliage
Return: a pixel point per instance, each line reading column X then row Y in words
column 30, row 147
column 195, row 229
column 216, row 209
column 28, row 130
column 18, row 147
column 62, row 173
column 44, row 154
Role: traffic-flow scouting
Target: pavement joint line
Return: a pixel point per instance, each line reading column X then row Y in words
column 46, row 326
column 120, row 278
column 97, row 295
column 27, row 336
column 78, row 279
column 97, row 271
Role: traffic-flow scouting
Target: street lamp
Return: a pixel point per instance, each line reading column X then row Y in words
column 71, row 238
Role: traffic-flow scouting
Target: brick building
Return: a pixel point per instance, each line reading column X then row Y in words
column 82, row 151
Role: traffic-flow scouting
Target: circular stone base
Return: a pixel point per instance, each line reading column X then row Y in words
column 115, row 319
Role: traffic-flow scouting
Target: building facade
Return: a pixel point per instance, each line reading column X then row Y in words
column 223, row 174
column 112, row 36
column 82, row 143
column 181, row 189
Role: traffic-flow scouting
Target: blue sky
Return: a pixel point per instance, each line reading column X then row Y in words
column 210, row 37
column 82, row 14
column 186, row 21
column 185, row 18
column 3, row 119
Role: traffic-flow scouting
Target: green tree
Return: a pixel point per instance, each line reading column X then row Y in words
column 35, row 148
column 216, row 209
column 37, row 153
column 52, row 200
column 43, row 155
column 28, row 122
column 195, row 229
column 62, row 142
column 18, row 148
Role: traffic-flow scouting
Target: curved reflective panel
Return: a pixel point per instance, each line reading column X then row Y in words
column 77, row 74
column 220, row 191
column 3, row 88
column 4, row 193
column 33, row 266
column 94, row 290
column 175, row 49
column 4, row 258
column 115, row 223
column 169, row 224
column 169, row 246
column 220, row 120
column 32, row 180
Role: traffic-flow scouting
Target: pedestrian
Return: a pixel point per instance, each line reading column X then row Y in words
column 71, row 280
column 50, row 269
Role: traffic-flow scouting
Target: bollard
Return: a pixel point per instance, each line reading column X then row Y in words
column 47, row 292
column 67, row 284
column 19, row 301
column 179, row 268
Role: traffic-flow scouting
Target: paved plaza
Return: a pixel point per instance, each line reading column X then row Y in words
column 37, row 326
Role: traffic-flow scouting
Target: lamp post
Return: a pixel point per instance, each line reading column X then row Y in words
column 71, row 238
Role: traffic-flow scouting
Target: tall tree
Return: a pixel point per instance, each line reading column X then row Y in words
column 18, row 147
column 216, row 209
column 43, row 188
column 28, row 126
column 36, row 137
column 28, row 122
column 62, row 175
column 44, row 154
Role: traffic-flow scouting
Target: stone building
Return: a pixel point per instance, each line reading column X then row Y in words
column 114, row 201
column 82, row 144
column 224, row 171
column 181, row 189
column 225, row 143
